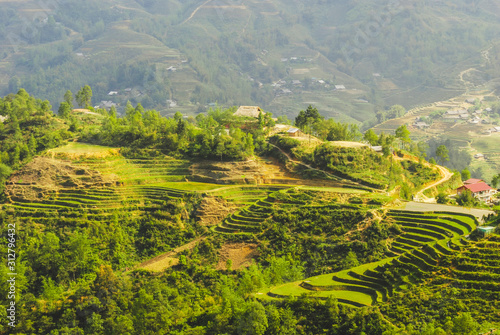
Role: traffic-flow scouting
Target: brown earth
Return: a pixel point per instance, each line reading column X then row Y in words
column 240, row 254
column 255, row 171
column 43, row 177
column 169, row 259
column 213, row 210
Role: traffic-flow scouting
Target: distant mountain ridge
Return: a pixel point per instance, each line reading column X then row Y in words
column 349, row 58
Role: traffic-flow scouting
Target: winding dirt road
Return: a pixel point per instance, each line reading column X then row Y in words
column 446, row 175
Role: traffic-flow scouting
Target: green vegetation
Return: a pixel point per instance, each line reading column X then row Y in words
column 90, row 217
column 29, row 128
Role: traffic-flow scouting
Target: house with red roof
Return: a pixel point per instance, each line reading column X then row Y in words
column 479, row 189
column 473, row 181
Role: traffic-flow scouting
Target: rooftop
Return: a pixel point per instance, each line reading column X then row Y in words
column 248, row 111
column 479, row 187
column 473, row 181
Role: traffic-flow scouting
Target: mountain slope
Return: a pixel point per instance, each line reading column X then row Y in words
column 236, row 52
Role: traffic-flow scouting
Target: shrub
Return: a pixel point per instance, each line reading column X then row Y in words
column 442, row 198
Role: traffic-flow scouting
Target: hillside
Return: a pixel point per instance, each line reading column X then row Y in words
column 281, row 55
column 145, row 224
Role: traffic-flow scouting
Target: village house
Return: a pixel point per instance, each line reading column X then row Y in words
column 485, row 230
column 248, row 111
column 106, row 104
column 294, row 132
column 377, row 148
column 473, row 181
column 479, row 189
column 421, row 125
column 339, row 87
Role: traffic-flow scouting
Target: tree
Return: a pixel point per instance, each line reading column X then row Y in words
column 370, row 137
column 68, row 98
column 283, row 119
column 307, row 117
column 465, row 174
column 495, row 181
column 396, row 111
column 442, row 154
column 403, row 134
column 254, row 320
column 464, row 324
column 467, row 199
column 442, row 198
column 64, row 110
column 84, row 96
column 5, row 172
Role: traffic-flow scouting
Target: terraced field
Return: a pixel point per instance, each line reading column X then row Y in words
column 249, row 219
column 82, row 180
column 415, row 253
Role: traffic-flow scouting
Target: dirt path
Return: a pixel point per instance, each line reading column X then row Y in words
column 446, row 175
column 195, row 11
column 166, row 260
column 423, row 207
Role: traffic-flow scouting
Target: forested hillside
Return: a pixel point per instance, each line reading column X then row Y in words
column 352, row 58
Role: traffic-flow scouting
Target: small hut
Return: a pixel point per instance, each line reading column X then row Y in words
column 249, row 111
column 294, row 132
column 485, row 231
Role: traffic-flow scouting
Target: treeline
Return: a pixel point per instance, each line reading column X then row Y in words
column 217, row 135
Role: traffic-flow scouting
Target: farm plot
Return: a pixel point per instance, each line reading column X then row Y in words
column 416, row 252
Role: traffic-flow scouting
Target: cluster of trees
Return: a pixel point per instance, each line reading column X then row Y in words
column 28, row 128
column 216, row 135
column 313, row 123
column 393, row 113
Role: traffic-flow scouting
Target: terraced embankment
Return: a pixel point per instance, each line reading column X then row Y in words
column 424, row 240
column 250, row 218
column 96, row 186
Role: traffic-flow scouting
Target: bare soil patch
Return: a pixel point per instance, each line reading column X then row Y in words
column 246, row 172
column 166, row 260
column 240, row 254
column 43, row 177
column 213, row 210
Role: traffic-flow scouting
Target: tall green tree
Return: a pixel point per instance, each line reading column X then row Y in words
column 442, row 154
column 308, row 117
column 84, row 96
column 495, row 181
column 68, row 98
column 403, row 134
column 64, row 110
column 465, row 174
column 254, row 320
column 370, row 137
column 5, row 172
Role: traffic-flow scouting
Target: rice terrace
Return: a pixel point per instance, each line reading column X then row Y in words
column 203, row 167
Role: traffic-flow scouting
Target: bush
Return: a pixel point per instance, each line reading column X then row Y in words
column 442, row 198
column 467, row 199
